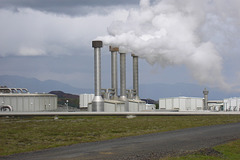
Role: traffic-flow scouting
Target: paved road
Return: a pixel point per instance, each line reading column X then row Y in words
column 140, row 147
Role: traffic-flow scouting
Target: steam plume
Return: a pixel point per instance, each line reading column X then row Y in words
column 174, row 32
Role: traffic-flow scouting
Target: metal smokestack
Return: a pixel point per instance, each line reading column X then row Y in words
column 114, row 51
column 135, row 76
column 97, row 103
column 205, row 92
column 123, row 96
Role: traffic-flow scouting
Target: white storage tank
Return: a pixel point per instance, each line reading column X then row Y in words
column 84, row 99
column 181, row 103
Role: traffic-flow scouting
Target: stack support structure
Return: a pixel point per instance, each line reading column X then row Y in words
column 114, row 51
column 123, row 96
column 135, row 76
column 205, row 93
column 98, row 102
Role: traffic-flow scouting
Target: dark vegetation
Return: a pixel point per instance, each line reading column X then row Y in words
column 73, row 100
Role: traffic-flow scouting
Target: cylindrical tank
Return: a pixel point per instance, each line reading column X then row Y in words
column 123, row 96
column 114, row 51
column 97, row 103
column 135, row 76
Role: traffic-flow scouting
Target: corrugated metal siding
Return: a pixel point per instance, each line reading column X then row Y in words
column 181, row 103
column 232, row 104
column 84, row 99
column 29, row 102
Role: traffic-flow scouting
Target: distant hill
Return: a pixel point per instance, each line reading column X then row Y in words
column 61, row 94
column 35, row 85
column 73, row 100
column 147, row 91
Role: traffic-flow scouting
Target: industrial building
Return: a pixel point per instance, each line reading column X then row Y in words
column 20, row 100
column 199, row 104
column 181, row 103
column 108, row 100
column 84, row 99
column 150, row 107
column 231, row 104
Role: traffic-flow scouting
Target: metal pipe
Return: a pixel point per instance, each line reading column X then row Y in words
column 135, row 76
column 123, row 74
column 5, row 108
column 110, row 92
column 97, row 103
column 205, row 92
column 114, row 51
column 5, row 90
column 20, row 89
column 14, row 90
column 167, row 113
column 26, row 90
column 123, row 96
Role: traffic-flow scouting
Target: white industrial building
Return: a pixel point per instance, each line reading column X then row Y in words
column 150, row 107
column 181, row 103
column 231, row 104
column 84, row 99
column 18, row 101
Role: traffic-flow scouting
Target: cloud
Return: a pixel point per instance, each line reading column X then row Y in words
column 69, row 7
column 201, row 35
column 33, row 33
column 172, row 32
column 31, row 52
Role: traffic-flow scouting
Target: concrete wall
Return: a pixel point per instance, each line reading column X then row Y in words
column 114, row 106
column 119, row 106
column 111, row 106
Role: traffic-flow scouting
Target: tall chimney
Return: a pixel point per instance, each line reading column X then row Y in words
column 205, row 92
column 135, row 76
column 97, row 103
column 114, row 51
column 123, row 96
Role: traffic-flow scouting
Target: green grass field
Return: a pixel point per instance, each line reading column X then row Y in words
column 22, row 134
column 229, row 151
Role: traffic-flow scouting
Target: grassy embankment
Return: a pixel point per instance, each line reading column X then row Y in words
column 227, row 151
column 22, row 134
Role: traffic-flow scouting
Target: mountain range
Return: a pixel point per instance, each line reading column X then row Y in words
column 35, row 85
column 153, row 91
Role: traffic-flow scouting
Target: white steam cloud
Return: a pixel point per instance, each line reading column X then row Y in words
column 173, row 32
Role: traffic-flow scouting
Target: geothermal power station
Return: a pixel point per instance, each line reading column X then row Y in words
column 108, row 100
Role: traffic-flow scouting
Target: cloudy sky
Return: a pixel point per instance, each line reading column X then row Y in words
column 178, row 41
